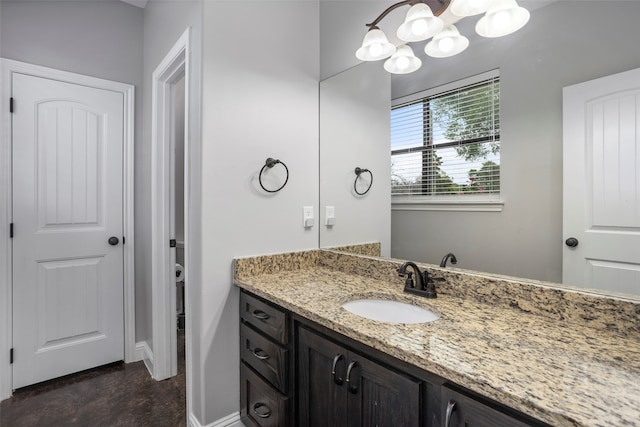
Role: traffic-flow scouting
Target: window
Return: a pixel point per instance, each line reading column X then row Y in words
column 446, row 145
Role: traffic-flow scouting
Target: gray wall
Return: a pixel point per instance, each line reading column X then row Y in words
column 164, row 23
column 565, row 43
column 101, row 39
column 260, row 99
column 354, row 111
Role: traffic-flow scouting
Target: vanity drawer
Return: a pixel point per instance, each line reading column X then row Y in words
column 263, row 355
column 264, row 317
column 261, row 403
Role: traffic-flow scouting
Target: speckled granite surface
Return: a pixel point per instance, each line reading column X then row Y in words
column 525, row 356
column 535, row 297
column 369, row 249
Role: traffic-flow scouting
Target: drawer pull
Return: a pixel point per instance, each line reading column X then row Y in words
column 353, row 389
column 259, row 314
column 260, row 354
column 336, row 379
column 451, row 406
column 261, row 410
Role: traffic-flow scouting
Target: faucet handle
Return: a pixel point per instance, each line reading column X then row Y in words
column 409, row 282
column 429, row 287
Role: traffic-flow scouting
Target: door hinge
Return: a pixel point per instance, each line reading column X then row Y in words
column 11, row 105
column 172, row 243
column 11, row 356
column 11, row 231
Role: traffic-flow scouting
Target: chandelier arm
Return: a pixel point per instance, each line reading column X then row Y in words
column 374, row 24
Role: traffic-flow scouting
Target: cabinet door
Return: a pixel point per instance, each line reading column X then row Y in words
column 381, row 397
column 467, row 412
column 340, row 388
column 322, row 395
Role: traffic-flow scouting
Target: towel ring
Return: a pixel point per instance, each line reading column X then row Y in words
column 360, row 171
column 269, row 163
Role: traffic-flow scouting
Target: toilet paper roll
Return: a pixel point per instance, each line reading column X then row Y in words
column 179, row 273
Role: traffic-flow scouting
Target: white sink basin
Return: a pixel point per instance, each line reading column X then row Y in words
column 390, row 311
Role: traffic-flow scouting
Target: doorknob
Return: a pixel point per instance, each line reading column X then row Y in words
column 113, row 240
column 572, row 242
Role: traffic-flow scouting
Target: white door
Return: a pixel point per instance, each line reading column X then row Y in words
column 601, row 199
column 67, row 202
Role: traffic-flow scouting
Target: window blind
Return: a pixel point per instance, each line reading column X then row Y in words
column 448, row 143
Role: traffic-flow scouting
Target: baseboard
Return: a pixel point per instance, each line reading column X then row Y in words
column 144, row 353
column 232, row 420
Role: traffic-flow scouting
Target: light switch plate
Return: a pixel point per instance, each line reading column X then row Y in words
column 307, row 216
column 329, row 215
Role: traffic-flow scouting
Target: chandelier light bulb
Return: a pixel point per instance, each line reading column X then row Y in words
column 503, row 17
column 501, row 20
column 403, row 61
column 375, row 46
column 375, row 49
column 447, row 42
column 419, row 27
column 419, row 24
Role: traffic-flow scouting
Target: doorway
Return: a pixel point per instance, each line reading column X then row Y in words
column 170, row 206
column 72, row 108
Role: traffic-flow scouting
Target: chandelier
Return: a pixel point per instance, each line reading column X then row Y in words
column 501, row 17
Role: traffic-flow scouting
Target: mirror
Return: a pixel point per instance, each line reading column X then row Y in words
column 354, row 117
column 564, row 43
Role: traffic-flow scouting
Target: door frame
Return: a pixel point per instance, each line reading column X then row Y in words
column 8, row 68
column 174, row 66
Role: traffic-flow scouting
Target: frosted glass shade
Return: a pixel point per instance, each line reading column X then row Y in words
column 403, row 61
column 375, row 46
column 447, row 42
column 469, row 7
column 419, row 24
column 503, row 17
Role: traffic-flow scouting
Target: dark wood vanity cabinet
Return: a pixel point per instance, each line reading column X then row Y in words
column 338, row 387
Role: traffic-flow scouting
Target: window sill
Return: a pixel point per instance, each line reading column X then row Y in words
column 399, row 203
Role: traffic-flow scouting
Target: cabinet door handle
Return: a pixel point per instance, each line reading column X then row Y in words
column 260, row 354
column 261, row 410
column 451, row 406
column 259, row 314
column 336, row 379
column 353, row 389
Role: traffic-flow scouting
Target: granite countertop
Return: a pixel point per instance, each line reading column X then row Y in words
column 558, row 372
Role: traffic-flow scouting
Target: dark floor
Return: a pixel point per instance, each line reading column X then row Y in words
column 112, row 395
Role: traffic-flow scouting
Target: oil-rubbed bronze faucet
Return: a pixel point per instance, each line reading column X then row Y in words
column 424, row 284
column 450, row 256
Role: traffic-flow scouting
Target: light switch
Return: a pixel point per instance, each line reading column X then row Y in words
column 329, row 216
column 307, row 216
